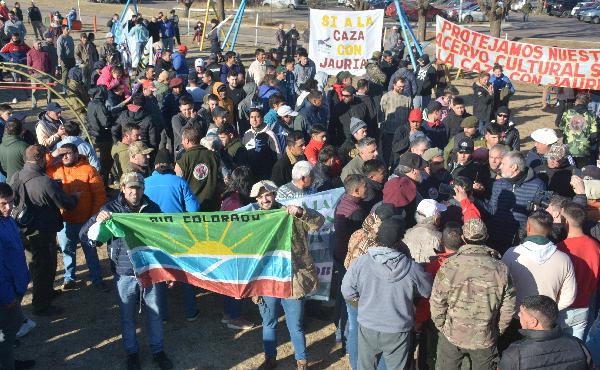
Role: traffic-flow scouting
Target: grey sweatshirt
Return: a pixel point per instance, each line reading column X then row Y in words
column 385, row 283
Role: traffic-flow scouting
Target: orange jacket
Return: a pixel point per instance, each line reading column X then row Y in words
column 226, row 103
column 311, row 152
column 82, row 178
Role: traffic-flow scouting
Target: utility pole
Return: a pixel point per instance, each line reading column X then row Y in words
column 221, row 9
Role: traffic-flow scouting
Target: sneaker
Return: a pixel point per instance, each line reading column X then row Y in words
column 69, row 285
column 49, row 311
column 240, row 324
column 24, row 364
column 133, row 362
column 301, row 365
column 162, row 361
column 101, row 286
column 193, row 318
column 27, row 326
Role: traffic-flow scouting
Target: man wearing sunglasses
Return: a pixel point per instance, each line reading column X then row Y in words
column 510, row 136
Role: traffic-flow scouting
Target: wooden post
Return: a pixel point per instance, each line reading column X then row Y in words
column 94, row 22
column 204, row 26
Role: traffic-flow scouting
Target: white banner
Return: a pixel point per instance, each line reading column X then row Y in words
column 344, row 40
column 463, row 48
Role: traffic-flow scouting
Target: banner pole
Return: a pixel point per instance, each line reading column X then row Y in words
column 403, row 26
column 204, row 26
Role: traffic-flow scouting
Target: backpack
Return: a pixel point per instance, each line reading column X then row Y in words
column 23, row 212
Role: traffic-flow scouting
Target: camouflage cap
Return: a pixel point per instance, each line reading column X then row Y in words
column 132, row 179
column 138, row 147
column 474, row 230
column 556, row 152
column 432, row 153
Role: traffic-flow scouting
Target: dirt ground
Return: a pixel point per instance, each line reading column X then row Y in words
column 87, row 336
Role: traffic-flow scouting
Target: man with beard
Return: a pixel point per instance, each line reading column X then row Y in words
column 395, row 108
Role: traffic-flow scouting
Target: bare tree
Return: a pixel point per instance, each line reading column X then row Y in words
column 422, row 8
column 495, row 13
column 188, row 4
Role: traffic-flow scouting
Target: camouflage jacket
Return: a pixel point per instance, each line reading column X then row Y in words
column 580, row 130
column 473, row 299
column 304, row 279
column 362, row 239
column 374, row 73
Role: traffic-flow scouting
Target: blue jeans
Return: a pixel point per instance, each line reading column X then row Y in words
column 189, row 300
column 592, row 341
column 341, row 315
column 294, row 319
column 68, row 238
column 352, row 339
column 128, row 290
column 573, row 321
column 232, row 307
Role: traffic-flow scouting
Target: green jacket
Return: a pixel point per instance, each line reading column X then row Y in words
column 120, row 155
column 12, row 154
column 200, row 168
column 473, row 299
column 580, row 130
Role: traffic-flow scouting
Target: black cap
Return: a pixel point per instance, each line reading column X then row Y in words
column 503, row 110
column 412, row 160
column 424, row 58
column 433, row 106
column 391, row 231
column 494, row 129
column 138, row 100
column 163, row 156
column 466, row 145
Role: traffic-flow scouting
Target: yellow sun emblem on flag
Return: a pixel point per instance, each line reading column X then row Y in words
column 207, row 246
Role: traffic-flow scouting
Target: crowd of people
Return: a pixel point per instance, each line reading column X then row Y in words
column 452, row 247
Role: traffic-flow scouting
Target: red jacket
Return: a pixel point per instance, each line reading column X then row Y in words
column 39, row 60
column 311, row 152
column 422, row 313
column 585, row 256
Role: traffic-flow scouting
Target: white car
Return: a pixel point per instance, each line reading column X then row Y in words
column 518, row 5
column 292, row 4
column 473, row 14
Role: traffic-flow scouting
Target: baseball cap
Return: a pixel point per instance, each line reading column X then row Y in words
column 54, row 107
column 429, row 208
column 138, row 147
column 432, row 153
column 466, row 145
column 132, row 179
column 469, row 122
column 147, row 84
column 415, row 115
column 474, row 230
column 262, row 186
column 163, row 156
column 219, row 112
column 545, row 136
column 591, row 171
column 175, row 82
column 356, row 124
column 556, row 152
column 412, row 160
column 182, row 49
column 286, row 110
column 109, row 35
column 280, row 69
column 503, row 110
column 399, row 191
column 199, row 62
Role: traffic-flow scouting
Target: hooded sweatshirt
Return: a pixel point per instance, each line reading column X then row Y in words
column 538, row 267
column 385, row 282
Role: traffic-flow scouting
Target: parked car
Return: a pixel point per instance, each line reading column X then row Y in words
column 292, row 4
column 562, row 8
column 591, row 15
column 473, row 14
column 453, row 12
column 582, row 5
column 411, row 11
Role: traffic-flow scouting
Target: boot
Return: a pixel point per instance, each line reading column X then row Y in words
column 269, row 363
column 302, row 364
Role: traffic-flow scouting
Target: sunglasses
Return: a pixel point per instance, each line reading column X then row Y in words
column 503, row 115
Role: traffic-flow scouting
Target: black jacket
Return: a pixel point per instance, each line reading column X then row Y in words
column 546, row 349
column 452, row 123
column 372, row 113
column 120, row 263
column 557, row 179
column 179, row 122
column 261, row 163
column 282, row 170
column 99, row 120
column 482, row 103
column 339, row 127
column 46, row 198
column 149, row 133
column 426, row 78
column 373, row 195
column 322, row 179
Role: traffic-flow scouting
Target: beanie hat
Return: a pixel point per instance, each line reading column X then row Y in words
column 415, row 115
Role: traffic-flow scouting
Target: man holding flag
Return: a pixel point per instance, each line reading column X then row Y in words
column 304, row 279
column 131, row 199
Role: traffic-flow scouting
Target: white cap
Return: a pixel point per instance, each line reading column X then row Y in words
column 545, row 136
column 3, row 2
column 199, row 63
column 267, row 185
column 429, row 208
column 286, row 110
column 109, row 35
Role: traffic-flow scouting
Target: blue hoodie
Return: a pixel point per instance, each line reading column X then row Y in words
column 14, row 275
column 171, row 193
column 386, row 282
column 181, row 68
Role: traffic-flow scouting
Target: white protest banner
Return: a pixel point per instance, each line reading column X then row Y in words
column 321, row 242
column 463, row 48
column 344, row 40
